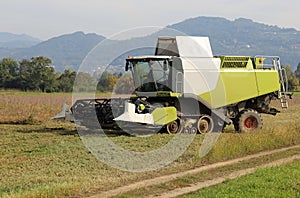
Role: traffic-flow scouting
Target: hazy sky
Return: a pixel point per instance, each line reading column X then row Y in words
column 48, row 18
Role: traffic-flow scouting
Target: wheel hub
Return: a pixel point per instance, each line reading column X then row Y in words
column 205, row 124
column 251, row 123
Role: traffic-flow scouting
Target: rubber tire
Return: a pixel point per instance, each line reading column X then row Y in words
column 248, row 120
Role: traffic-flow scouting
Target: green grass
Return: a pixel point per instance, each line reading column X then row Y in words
column 283, row 181
column 208, row 175
column 50, row 160
column 296, row 93
column 39, row 162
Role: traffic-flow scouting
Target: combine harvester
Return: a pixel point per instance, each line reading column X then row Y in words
column 184, row 88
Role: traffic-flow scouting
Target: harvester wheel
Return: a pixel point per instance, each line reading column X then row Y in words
column 174, row 127
column 205, row 124
column 249, row 120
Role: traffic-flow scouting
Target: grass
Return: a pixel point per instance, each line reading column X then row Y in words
column 48, row 159
column 280, row 181
column 189, row 180
column 296, row 93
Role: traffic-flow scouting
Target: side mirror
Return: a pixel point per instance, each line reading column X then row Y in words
column 127, row 66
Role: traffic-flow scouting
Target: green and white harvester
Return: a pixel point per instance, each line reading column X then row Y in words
column 184, row 88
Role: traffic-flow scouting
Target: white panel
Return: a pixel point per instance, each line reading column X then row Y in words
column 200, row 74
column 189, row 46
column 129, row 115
column 201, row 64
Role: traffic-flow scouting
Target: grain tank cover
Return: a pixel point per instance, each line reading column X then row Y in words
column 184, row 46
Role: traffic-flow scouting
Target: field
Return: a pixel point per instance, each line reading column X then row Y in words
column 297, row 93
column 18, row 107
column 280, row 181
column 42, row 158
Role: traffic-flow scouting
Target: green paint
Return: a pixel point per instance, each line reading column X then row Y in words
column 165, row 115
column 236, row 85
column 267, row 81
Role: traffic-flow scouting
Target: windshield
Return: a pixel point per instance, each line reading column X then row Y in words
column 151, row 75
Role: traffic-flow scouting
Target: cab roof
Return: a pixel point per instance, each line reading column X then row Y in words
column 147, row 58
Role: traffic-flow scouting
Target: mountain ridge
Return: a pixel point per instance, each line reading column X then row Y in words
column 66, row 51
column 245, row 37
column 241, row 36
column 13, row 41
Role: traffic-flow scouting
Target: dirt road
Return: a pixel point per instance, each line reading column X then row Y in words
column 233, row 175
column 197, row 186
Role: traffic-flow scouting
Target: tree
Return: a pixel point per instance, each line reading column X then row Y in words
column 106, row 82
column 37, row 74
column 9, row 70
column 66, row 80
column 25, row 76
column 297, row 72
column 43, row 73
column 84, row 82
column 124, row 85
column 293, row 81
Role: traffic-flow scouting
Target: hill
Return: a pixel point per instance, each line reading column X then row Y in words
column 245, row 37
column 242, row 37
column 238, row 37
column 66, row 51
column 13, row 41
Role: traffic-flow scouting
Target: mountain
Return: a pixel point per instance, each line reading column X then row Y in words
column 66, row 51
column 13, row 41
column 238, row 37
column 245, row 37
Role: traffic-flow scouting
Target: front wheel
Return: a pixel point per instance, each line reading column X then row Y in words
column 174, row 127
column 248, row 120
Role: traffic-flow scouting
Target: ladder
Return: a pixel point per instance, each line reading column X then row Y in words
column 283, row 82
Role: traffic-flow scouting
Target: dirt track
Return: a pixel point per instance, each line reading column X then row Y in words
column 181, row 191
column 233, row 175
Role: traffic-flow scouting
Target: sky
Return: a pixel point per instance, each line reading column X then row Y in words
column 45, row 19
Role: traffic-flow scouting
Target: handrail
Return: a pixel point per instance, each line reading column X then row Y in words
column 282, row 74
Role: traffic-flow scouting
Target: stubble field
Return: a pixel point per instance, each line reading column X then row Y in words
column 42, row 158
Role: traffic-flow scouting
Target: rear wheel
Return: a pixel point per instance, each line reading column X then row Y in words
column 248, row 120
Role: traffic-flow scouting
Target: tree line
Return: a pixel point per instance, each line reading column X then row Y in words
column 37, row 74
column 293, row 78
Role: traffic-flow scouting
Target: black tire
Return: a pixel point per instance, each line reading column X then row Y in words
column 248, row 120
